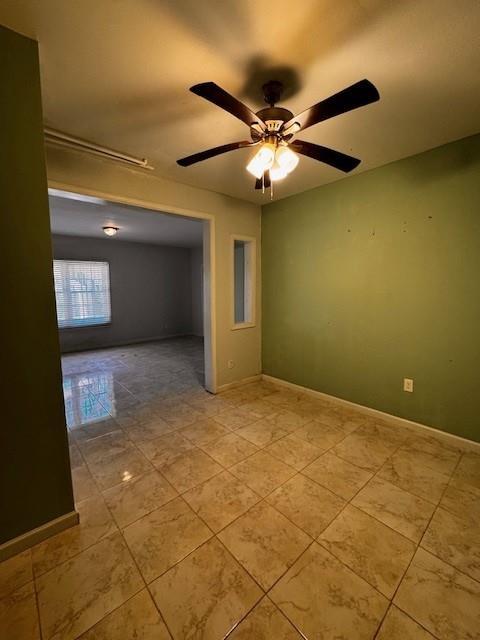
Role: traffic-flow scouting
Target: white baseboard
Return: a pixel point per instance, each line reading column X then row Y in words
column 238, row 383
column 33, row 537
column 458, row 441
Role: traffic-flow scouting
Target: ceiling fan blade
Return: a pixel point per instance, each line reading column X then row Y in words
column 216, row 151
column 259, row 184
column 358, row 95
column 212, row 92
column 334, row 158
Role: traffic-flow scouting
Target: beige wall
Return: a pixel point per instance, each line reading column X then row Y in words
column 83, row 173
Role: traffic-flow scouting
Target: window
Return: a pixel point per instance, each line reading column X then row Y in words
column 243, row 282
column 82, row 291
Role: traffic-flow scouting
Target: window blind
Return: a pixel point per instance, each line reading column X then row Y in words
column 82, row 291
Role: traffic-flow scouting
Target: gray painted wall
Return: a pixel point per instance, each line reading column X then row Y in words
column 150, row 286
column 196, row 262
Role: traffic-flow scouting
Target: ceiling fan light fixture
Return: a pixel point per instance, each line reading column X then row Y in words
column 262, row 160
column 277, row 172
column 287, row 160
column 110, row 230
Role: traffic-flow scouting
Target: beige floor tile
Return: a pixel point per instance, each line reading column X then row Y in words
column 344, row 419
column 365, row 449
column 260, row 408
column 220, row 500
column 265, row 622
column 181, row 416
column 190, row 469
column 15, row 572
column 320, row 435
column 165, row 536
column 462, row 500
column 76, row 459
column 95, row 523
column 374, row 551
column 235, row 418
column 204, row 431
column 210, row 405
column 324, row 599
column 468, row 470
column 120, row 467
column 230, row 449
column 338, row 475
column 137, row 619
column 75, row 595
column 440, row 598
column 433, row 454
column 132, row 500
column 236, row 397
column 205, row 595
column 262, row 432
column 18, row 615
column 262, row 472
column 283, row 396
column 398, row 626
column 307, row 504
column 166, row 449
column 454, row 540
column 308, row 407
column 294, row 452
column 84, row 485
column 288, row 420
column 97, row 450
column 398, row 509
column 92, row 430
column 405, row 470
column 150, row 430
column 265, row 543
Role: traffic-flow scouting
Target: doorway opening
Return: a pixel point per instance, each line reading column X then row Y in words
column 134, row 311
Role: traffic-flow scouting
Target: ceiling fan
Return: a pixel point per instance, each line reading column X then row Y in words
column 272, row 129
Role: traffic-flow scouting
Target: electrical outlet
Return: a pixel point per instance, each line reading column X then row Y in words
column 230, row 364
column 408, row 385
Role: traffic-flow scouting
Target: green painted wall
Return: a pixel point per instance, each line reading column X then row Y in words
column 35, row 482
column 377, row 277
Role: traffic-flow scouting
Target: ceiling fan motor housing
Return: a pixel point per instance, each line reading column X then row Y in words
column 274, row 118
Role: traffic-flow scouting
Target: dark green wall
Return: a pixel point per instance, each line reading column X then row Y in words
column 375, row 278
column 35, row 479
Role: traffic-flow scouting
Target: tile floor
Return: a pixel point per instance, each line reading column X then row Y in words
column 259, row 513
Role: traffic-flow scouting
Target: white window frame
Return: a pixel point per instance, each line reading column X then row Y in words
column 87, row 325
column 250, row 281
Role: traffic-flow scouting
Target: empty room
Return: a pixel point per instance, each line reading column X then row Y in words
column 241, row 361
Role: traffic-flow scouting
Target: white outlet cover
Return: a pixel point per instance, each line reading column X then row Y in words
column 408, row 385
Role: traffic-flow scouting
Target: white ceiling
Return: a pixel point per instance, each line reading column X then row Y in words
column 117, row 72
column 84, row 216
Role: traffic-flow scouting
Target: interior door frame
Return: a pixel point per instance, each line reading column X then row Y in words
column 209, row 292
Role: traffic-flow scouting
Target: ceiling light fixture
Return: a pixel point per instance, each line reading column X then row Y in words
column 273, row 130
column 272, row 162
column 110, row 231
